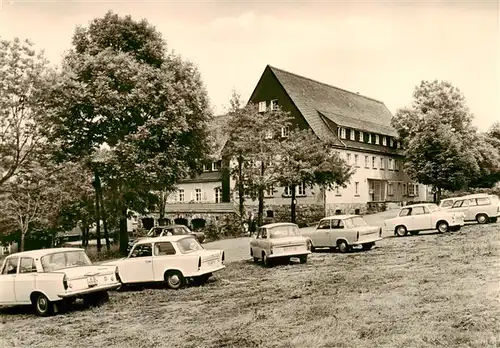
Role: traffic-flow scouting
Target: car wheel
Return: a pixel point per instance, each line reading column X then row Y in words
column 265, row 260
column 401, row 231
column 367, row 246
column 43, row 307
column 482, row 218
column 414, row 233
column 442, row 226
column 310, row 246
column 343, row 246
column 303, row 259
column 174, row 279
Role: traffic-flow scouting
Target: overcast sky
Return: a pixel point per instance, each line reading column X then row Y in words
column 381, row 49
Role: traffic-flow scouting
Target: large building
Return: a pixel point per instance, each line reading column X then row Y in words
column 358, row 125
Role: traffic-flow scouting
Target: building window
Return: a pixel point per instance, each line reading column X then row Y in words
column 262, row 106
column 382, row 163
column 288, row 191
column 377, row 140
column 218, row 195
column 274, row 104
column 392, row 142
column 416, row 190
column 206, row 167
column 270, row 191
column 367, row 161
column 285, row 131
column 270, row 214
column 404, row 190
column 302, row 189
column 384, row 141
column 216, row 166
column 197, row 195
column 397, row 164
column 391, row 164
column 353, row 134
column 356, row 188
column 342, row 133
column 349, row 158
column 181, row 195
column 361, row 136
column 356, row 160
column 411, row 190
column 398, row 144
column 337, row 190
column 369, row 138
column 390, row 189
column 373, row 162
column 269, row 134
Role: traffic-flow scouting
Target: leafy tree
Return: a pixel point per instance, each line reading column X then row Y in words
column 305, row 159
column 487, row 148
column 22, row 72
column 437, row 134
column 120, row 88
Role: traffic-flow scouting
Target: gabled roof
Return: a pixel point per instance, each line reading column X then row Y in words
column 348, row 109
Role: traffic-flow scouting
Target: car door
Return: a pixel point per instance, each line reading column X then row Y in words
column 472, row 210
column 164, row 257
column 321, row 236
column 7, row 278
column 25, row 281
column 138, row 267
column 336, row 231
column 420, row 219
column 461, row 206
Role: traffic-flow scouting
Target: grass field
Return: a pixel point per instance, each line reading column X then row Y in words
column 432, row 290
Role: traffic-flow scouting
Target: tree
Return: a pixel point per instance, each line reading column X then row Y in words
column 120, row 88
column 306, row 160
column 436, row 133
column 22, row 73
column 487, row 147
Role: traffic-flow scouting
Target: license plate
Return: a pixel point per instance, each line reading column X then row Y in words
column 291, row 248
column 91, row 281
column 211, row 263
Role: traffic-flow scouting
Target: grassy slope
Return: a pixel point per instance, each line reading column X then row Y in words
column 426, row 291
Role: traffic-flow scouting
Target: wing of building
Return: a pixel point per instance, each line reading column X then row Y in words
column 362, row 134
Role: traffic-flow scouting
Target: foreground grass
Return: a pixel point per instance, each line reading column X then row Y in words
column 425, row 291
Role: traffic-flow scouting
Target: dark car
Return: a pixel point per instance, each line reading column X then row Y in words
column 175, row 230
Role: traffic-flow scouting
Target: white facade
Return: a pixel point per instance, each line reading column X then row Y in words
column 200, row 192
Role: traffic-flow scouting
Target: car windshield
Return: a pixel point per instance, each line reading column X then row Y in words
column 64, row 259
column 284, row 231
column 188, row 245
column 357, row 221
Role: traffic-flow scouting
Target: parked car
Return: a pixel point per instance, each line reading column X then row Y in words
column 421, row 217
column 343, row 232
column 279, row 241
column 483, row 209
column 171, row 230
column 50, row 279
column 447, row 203
column 174, row 260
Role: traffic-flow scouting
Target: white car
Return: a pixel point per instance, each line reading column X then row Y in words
column 343, row 232
column 447, row 203
column 50, row 279
column 280, row 240
column 170, row 259
column 480, row 208
column 421, row 217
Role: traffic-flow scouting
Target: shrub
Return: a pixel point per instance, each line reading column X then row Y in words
column 104, row 255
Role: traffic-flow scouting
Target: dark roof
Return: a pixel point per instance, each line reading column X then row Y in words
column 205, row 177
column 347, row 109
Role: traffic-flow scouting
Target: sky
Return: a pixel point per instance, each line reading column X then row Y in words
column 381, row 49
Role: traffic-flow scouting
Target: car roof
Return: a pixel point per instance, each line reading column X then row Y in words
column 42, row 252
column 169, row 226
column 418, row 205
column 340, row 217
column 278, row 224
column 164, row 239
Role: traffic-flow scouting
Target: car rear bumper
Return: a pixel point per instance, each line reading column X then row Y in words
column 367, row 240
column 290, row 254
column 78, row 293
column 206, row 271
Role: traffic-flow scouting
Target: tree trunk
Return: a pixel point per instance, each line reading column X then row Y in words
column 260, row 215
column 438, row 195
column 85, row 236
column 294, row 202
column 123, row 232
column 97, row 213
column 241, row 190
column 161, row 207
column 21, row 244
column 98, row 189
column 324, row 200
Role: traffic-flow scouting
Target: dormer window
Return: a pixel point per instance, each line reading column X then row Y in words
column 384, row 141
column 353, row 134
column 216, row 166
column 262, row 106
column 285, row 131
column 361, row 137
column 369, row 138
column 377, row 140
column 206, row 167
column 274, row 104
column 269, row 134
column 343, row 133
column 392, row 142
column 398, row 144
